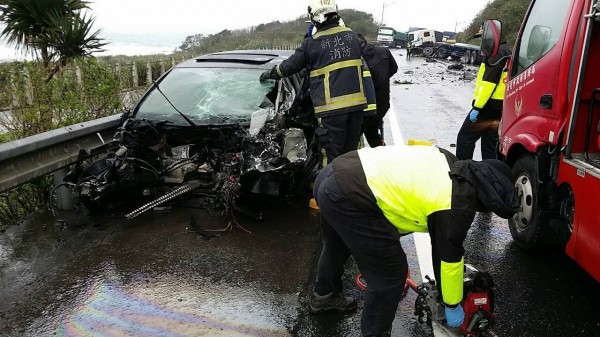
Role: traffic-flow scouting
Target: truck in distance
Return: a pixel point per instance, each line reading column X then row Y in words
column 388, row 36
column 433, row 43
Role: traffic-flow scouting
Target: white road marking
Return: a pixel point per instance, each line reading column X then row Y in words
column 422, row 240
column 394, row 126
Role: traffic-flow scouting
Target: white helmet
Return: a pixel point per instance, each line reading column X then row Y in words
column 319, row 8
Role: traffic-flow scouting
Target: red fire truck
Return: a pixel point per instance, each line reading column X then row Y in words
column 550, row 130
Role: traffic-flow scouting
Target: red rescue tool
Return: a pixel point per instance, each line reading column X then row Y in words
column 478, row 302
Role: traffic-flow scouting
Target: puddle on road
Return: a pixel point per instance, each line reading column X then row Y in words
column 151, row 277
column 165, row 308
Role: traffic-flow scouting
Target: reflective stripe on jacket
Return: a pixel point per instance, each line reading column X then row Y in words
column 333, row 56
column 371, row 109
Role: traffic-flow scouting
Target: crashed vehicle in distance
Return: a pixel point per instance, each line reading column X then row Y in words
column 209, row 129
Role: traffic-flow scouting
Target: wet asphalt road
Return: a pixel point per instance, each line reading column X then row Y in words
column 153, row 276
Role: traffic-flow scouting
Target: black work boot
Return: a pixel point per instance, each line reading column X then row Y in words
column 330, row 301
column 387, row 333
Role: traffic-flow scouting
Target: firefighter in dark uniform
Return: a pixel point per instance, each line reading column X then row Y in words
column 333, row 57
column 370, row 197
column 484, row 118
column 382, row 67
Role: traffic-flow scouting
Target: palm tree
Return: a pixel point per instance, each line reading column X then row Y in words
column 54, row 31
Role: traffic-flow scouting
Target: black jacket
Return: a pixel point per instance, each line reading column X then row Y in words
column 494, row 183
column 383, row 67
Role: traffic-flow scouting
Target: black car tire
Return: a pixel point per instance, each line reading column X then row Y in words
column 466, row 58
column 442, row 53
column 526, row 225
column 474, row 58
column 428, row 51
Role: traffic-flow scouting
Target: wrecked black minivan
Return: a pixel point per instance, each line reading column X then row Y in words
column 207, row 129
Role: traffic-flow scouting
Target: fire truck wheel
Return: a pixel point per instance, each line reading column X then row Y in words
column 525, row 226
column 567, row 212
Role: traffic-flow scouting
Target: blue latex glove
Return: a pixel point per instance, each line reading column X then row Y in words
column 473, row 115
column 454, row 316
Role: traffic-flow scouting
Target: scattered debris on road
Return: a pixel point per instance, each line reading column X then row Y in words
column 456, row 66
column 398, row 82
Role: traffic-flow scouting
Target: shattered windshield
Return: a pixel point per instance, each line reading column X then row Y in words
column 208, row 96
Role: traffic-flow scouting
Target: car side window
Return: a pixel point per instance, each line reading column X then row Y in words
column 541, row 32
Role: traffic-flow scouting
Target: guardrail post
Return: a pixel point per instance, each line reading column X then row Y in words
column 14, row 80
column 149, row 72
column 162, row 66
column 62, row 195
column 78, row 75
column 28, row 89
column 173, row 62
column 118, row 71
column 134, row 73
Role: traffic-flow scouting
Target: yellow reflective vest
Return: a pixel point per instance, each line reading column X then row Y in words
column 412, row 187
column 491, row 78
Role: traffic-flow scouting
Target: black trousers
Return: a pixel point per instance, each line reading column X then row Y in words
column 372, row 126
column 340, row 133
column 375, row 245
column 485, row 128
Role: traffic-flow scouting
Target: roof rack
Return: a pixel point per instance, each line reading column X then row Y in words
column 249, row 58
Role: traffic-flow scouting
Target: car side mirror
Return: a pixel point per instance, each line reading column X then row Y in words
column 491, row 38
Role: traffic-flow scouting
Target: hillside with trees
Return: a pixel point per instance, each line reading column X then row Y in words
column 272, row 35
column 510, row 12
column 287, row 33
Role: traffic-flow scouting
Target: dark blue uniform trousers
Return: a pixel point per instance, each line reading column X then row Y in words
column 485, row 128
column 339, row 134
column 375, row 245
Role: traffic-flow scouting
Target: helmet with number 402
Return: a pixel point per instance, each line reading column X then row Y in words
column 318, row 9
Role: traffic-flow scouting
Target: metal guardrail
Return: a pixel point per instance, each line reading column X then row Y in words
column 28, row 158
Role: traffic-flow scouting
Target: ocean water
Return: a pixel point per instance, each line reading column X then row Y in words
column 8, row 53
column 131, row 49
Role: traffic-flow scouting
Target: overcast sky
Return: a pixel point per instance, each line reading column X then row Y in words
column 135, row 27
column 188, row 17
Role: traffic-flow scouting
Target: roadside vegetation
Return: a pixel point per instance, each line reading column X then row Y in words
column 56, row 32
column 43, row 97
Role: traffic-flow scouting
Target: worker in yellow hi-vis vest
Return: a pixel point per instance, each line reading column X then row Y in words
column 370, row 197
column 483, row 119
